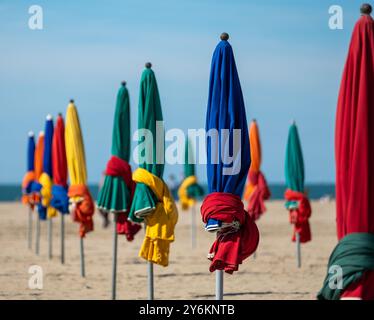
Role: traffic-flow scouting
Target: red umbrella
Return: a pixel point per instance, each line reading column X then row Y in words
column 354, row 153
column 354, row 144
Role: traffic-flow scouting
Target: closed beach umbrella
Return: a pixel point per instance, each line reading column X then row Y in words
column 297, row 201
column 354, row 154
column 118, row 188
column 60, row 199
column 189, row 190
column 28, row 180
column 257, row 190
column 46, row 181
column 222, row 210
column 81, row 204
column 152, row 201
column 36, row 186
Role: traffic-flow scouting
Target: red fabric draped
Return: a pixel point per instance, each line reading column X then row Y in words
column 120, row 168
column 261, row 192
column 354, row 145
column 229, row 250
column 83, row 210
column 59, row 163
column 300, row 217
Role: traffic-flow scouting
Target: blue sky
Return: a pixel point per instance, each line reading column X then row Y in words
column 289, row 62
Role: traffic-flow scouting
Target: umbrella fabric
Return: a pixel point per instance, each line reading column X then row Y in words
column 226, row 113
column 354, row 151
column 236, row 244
column 161, row 223
column 45, row 179
column 354, row 254
column 297, row 201
column 152, row 201
column 81, row 204
column 189, row 189
column 257, row 190
column 149, row 112
column 29, row 177
column 118, row 188
column 60, row 199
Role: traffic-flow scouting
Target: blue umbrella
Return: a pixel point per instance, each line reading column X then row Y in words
column 226, row 177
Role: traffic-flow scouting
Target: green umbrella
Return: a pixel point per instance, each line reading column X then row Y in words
column 294, row 172
column 294, row 164
column 144, row 201
column 195, row 190
column 149, row 112
column 115, row 196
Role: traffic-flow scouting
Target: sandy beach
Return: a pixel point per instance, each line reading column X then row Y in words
column 272, row 275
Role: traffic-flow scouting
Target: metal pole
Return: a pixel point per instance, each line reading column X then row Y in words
column 114, row 267
column 50, row 230
column 193, row 227
column 219, row 284
column 298, row 250
column 62, row 238
column 29, row 230
column 255, row 255
column 37, row 236
column 83, row 271
column 150, row 281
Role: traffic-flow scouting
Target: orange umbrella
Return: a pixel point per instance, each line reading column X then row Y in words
column 257, row 190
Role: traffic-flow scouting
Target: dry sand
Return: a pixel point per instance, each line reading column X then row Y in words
column 272, row 275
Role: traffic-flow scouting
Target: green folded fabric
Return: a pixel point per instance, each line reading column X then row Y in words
column 355, row 255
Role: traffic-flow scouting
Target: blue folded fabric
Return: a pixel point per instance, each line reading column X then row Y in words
column 60, row 199
column 42, row 211
column 213, row 225
column 34, row 187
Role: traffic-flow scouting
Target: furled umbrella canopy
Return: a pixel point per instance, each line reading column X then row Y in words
column 257, row 190
column 118, row 188
column 223, row 210
column 152, row 202
column 82, row 206
column 189, row 189
column 354, row 154
column 60, row 199
column 45, row 179
column 29, row 177
column 296, row 200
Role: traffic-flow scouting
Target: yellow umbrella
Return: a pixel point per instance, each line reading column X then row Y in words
column 81, row 204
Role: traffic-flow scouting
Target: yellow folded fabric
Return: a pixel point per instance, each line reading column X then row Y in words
column 186, row 202
column 46, row 194
column 161, row 223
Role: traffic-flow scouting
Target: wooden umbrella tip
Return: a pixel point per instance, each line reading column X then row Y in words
column 123, row 83
column 71, row 100
column 49, row 117
column 31, row 134
column 254, row 120
column 41, row 133
column 148, row 65
column 366, row 8
column 224, row 36
column 60, row 114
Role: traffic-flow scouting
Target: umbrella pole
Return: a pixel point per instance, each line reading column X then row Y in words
column 83, row 272
column 37, row 236
column 255, row 255
column 150, row 281
column 114, row 267
column 298, row 250
column 62, row 238
column 29, row 230
column 193, row 227
column 219, row 284
column 50, row 230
